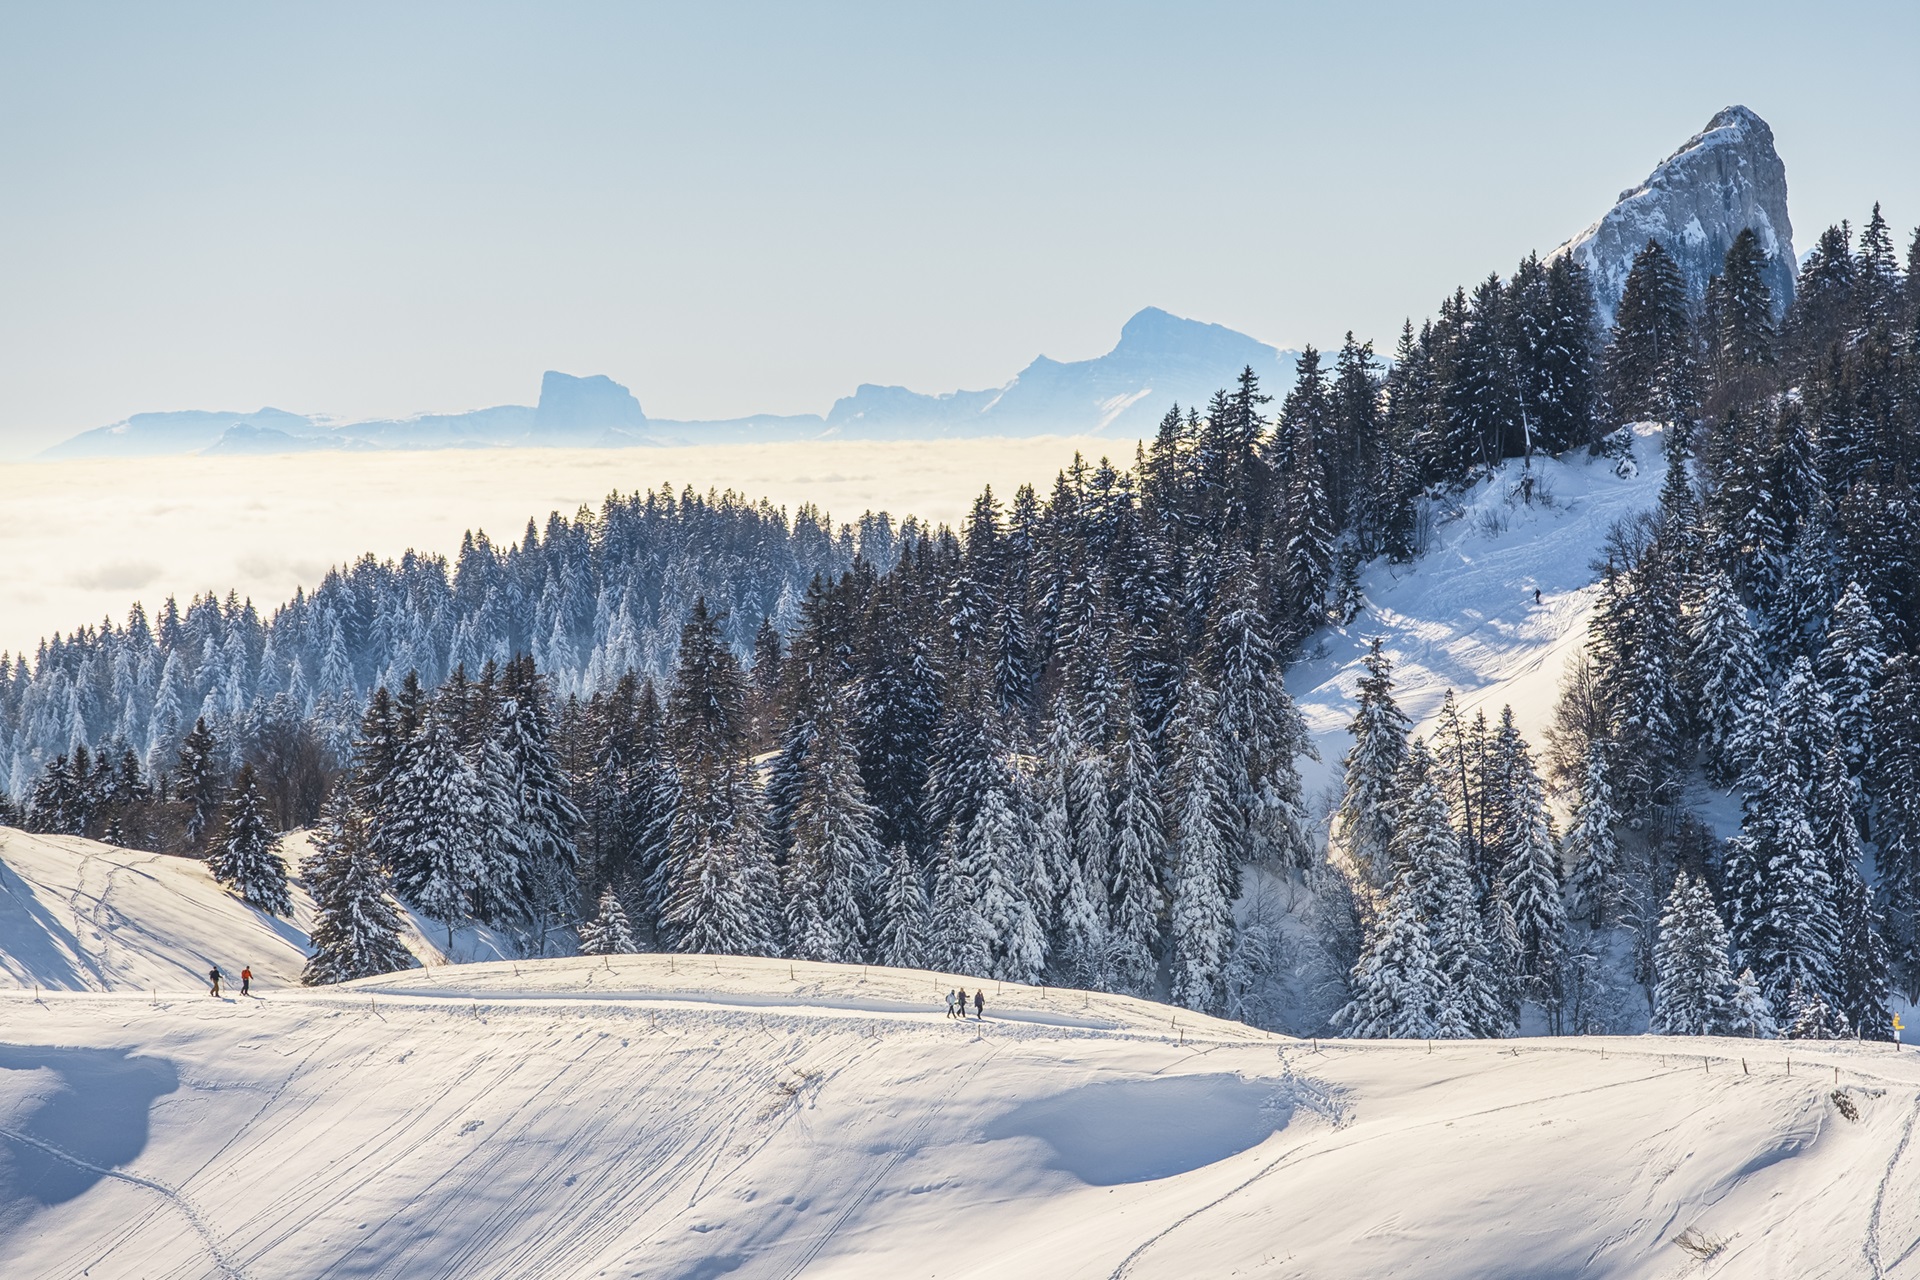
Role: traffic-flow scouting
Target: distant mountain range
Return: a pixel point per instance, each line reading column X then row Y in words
column 1160, row 359
column 1725, row 178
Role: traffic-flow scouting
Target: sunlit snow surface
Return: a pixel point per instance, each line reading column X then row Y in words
column 1463, row 616
column 698, row 1117
column 83, row 540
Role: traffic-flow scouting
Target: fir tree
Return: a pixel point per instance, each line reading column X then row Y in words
column 1140, row 849
column 200, row 784
column 435, row 827
column 1529, row 876
column 246, row 855
column 1592, row 846
column 1397, row 983
column 1202, row 918
column 1694, row 989
column 903, row 926
column 609, row 933
column 1363, row 824
column 357, row 934
column 835, row 855
column 1651, row 368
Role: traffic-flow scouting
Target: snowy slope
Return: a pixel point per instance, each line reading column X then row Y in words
column 1463, row 616
column 78, row 915
column 696, row 1118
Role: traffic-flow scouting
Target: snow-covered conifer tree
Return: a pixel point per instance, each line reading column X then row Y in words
column 434, row 830
column 1727, row 669
column 1592, row 846
column 1397, row 983
column 1139, row 851
column 835, row 855
column 1363, row 825
column 246, row 854
column 1528, row 884
column 1694, row 990
column 609, row 933
column 1855, row 654
column 358, row 931
column 902, row 936
column 1204, row 827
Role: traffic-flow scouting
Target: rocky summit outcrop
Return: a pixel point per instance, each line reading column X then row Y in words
column 1723, row 180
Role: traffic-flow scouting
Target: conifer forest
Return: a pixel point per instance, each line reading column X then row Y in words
column 1054, row 744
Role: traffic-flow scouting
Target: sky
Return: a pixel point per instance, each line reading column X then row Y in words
column 392, row 208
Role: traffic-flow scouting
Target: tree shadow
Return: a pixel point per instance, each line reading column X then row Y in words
column 64, row 1135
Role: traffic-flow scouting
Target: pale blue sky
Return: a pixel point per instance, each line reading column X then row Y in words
column 389, row 208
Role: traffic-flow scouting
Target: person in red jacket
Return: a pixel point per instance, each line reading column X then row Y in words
column 246, row 981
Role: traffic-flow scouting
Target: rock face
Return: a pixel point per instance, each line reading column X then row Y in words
column 571, row 406
column 1725, row 179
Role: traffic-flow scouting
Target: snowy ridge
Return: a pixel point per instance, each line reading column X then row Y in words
column 697, row 1116
column 1463, row 617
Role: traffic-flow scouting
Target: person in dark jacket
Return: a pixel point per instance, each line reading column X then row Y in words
column 979, row 1004
column 214, row 975
column 963, row 1004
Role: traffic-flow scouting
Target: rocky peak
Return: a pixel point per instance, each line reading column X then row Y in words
column 1721, row 181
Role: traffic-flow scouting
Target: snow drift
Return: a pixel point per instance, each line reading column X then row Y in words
column 697, row 1117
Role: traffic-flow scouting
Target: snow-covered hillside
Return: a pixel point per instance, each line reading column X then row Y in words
column 1464, row 617
column 78, row 915
column 691, row 1117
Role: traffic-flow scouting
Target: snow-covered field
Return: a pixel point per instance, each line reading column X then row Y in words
column 82, row 540
column 692, row 1117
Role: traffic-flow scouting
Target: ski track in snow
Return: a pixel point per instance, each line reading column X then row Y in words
column 690, row 1117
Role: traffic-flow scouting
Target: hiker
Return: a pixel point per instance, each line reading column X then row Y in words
column 1536, row 595
column 214, row 974
column 979, row 1004
column 949, row 1002
column 963, row 1004
column 246, row 981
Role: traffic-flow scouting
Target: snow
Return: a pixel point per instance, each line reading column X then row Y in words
column 1463, row 617
column 77, row 915
column 692, row 1116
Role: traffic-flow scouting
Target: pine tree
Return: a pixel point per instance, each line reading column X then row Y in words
column 1592, row 845
column 1855, row 654
column 200, row 783
column 1777, row 878
column 835, row 855
column 1140, row 850
column 358, row 931
column 1695, row 993
column 903, row 926
column 1529, row 876
column 961, row 940
column 1743, row 334
column 609, row 933
column 1363, row 825
column 723, row 885
column 435, row 826
column 246, row 855
column 1726, row 669
column 1202, row 918
column 1651, row 367
column 1397, row 982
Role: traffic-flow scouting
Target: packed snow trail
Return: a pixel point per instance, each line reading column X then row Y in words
column 698, row 1116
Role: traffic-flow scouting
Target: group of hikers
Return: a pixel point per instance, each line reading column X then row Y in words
column 957, row 1003
column 246, row 981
